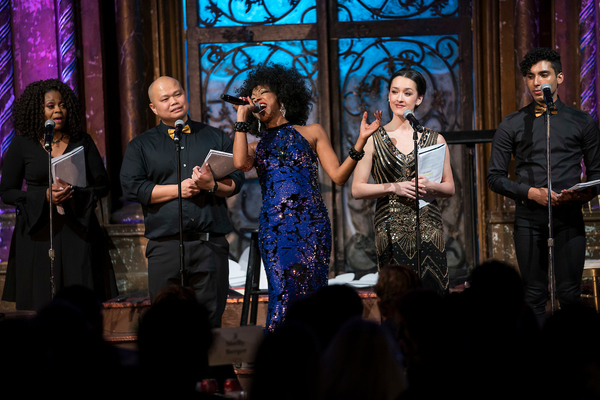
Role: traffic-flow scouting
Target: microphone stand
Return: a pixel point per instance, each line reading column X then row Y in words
column 51, row 250
column 180, row 211
column 417, row 219
column 550, row 222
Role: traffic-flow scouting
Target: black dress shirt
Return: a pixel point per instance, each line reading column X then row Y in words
column 574, row 135
column 151, row 159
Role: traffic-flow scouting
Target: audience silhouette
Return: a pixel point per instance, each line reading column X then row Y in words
column 326, row 310
column 494, row 335
column 174, row 338
column 482, row 342
column 360, row 364
column 62, row 350
column 287, row 364
column 395, row 280
column 571, row 356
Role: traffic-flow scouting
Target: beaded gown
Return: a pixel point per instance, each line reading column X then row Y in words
column 395, row 216
column 294, row 228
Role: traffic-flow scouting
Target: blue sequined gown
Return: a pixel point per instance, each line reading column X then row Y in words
column 294, row 232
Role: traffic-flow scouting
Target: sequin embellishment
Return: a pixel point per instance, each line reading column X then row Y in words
column 395, row 216
column 295, row 232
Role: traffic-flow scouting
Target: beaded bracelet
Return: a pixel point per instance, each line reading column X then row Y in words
column 241, row 127
column 355, row 154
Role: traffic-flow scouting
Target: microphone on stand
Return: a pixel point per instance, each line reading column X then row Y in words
column 48, row 134
column 550, row 106
column 417, row 127
column 410, row 116
column 547, row 90
column 179, row 124
column 240, row 102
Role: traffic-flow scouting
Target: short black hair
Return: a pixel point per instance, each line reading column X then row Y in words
column 28, row 110
column 541, row 54
column 289, row 86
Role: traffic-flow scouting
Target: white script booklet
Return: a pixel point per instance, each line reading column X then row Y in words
column 584, row 185
column 431, row 165
column 221, row 163
column 70, row 167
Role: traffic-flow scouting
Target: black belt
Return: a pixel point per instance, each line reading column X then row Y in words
column 193, row 236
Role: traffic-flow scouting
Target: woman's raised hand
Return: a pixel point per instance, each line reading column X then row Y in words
column 366, row 129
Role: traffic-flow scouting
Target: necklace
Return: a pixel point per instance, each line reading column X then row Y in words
column 64, row 135
column 59, row 139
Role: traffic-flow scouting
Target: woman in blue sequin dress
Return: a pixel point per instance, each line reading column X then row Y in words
column 294, row 228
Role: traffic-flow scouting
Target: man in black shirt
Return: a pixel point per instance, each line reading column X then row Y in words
column 149, row 176
column 574, row 136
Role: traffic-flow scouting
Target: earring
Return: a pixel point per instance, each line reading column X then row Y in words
column 259, row 126
column 282, row 110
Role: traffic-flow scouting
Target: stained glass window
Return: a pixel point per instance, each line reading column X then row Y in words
column 362, row 10
column 255, row 12
column 224, row 67
column 366, row 64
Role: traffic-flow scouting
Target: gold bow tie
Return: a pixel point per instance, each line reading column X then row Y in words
column 539, row 110
column 186, row 129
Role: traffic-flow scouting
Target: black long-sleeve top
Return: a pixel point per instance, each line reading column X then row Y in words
column 27, row 160
column 574, row 136
column 151, row 159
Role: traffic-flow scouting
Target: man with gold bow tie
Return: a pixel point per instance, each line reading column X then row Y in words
column 149, row 176
column 574, row 137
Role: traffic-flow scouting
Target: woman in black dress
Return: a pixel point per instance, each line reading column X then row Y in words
column 80, row 247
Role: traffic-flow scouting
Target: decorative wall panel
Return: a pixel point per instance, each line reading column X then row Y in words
column 212, row 13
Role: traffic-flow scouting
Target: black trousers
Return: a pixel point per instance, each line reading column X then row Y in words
column 531, row 246
column 206, row 270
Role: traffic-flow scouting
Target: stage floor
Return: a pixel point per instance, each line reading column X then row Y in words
column 121, row 316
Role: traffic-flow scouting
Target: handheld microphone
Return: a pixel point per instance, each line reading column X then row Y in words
column 547, row 90
column 48, row 134
column 239, row 102
column 179, row 124
column 410, row 116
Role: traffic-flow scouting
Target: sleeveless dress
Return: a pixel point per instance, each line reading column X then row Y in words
column 294, row 228
column 395, row 216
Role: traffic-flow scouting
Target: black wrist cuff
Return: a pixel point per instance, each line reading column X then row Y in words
column 355, row 154
column 241, row 127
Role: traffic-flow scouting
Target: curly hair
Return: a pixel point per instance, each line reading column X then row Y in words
column 289, row 86
column 28, row 110
column 541, row 54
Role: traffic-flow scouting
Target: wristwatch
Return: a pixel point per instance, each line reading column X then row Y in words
column 213, row 189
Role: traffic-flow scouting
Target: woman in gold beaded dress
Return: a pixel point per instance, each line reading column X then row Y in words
column 390, row 159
